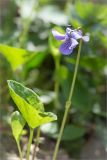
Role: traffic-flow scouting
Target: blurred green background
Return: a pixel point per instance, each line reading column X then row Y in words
column 29, row 54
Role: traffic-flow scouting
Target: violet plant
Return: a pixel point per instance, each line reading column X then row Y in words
column 70, row 42
column 31, row 109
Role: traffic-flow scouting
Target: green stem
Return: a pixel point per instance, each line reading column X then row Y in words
column 75, row 72
column 24, row 33
column 29, row 143
column 68, row 104
column 19, row 149
column 37, row 143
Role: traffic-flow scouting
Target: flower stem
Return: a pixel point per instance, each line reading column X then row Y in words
column 37, row 143
column 19, row 149
column 75, row 71
column 68, row 104
column 29, row 143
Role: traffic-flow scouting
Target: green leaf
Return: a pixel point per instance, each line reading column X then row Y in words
column 28, row 95
column 36, row 60
column 29, row 105
column 90, row 63
column 62, row 72
column 17, row 124
column 15, row 56
column 82, row 98
column 53, row 47
column 72, row 132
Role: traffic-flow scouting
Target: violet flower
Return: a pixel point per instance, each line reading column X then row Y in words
column 69, row 39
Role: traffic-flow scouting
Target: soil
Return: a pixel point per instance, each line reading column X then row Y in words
column 92, row 150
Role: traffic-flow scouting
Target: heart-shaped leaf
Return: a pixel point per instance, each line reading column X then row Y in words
column 15, row 56
column 17, row 124
column 29, row 105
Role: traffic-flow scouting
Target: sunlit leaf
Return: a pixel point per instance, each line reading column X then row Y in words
column 29, row 105
column 15, row 56
column 17, row 124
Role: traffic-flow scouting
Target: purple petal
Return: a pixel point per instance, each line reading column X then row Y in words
column 86, row 38
column 57, row 35
column 79, row 32
column 68, row 30
column 74, row 43
column 76, row 35
column 64, row 48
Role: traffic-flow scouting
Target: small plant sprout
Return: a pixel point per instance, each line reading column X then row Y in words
column 70, row 41
column 31, row 111
column 17, row 124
